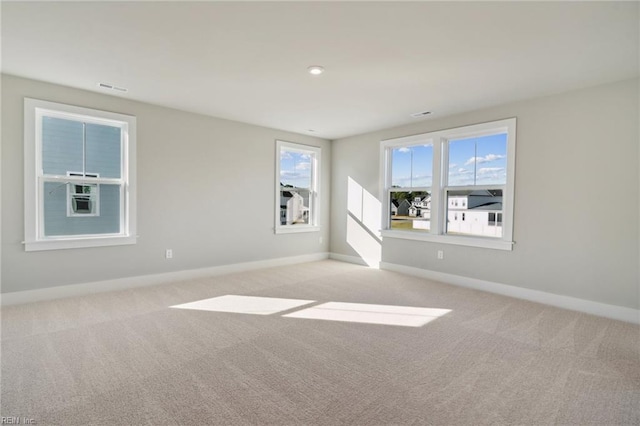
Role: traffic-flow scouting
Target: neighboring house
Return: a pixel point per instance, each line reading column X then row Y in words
column 478, row 213
column 474, row 199
column 403, row 208
column 294, row 208
column 284, row 197
column 421, row 207
column 394, row 207
column 424, row 203
column 78, row 150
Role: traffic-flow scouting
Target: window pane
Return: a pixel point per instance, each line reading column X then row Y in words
column 294, row 206
column 410, row 210
column 103, row 150
column 295, row 187
column 478, row 161
column 61, row 146
column 475, row 212
column 412, row 166
column 295, row 169
column 58, row 203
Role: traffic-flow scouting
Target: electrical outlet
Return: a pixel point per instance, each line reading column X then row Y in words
column 440, row 254
column 168, row 254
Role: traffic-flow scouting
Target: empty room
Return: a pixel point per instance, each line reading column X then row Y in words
column 320, row 213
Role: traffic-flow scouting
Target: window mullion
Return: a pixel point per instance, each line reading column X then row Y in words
column 80, row 180
column 84, row 149
column 439, row 152
column 40, row 204
column 387, row 189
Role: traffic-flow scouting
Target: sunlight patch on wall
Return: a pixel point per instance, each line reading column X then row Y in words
column 367, row 247
column 244, row 304
column 354, row 198
column 371, row 314
column 363, row 223
column 364, row 207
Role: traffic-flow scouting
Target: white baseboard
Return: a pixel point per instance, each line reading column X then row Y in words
column 72, row 290
column 348, row 259
column 620, row 313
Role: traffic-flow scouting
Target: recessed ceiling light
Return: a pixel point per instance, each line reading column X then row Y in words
column 315, row 70
column 420, row 114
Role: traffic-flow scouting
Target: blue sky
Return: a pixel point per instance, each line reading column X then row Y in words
column 295, row 169
column 412, row 166
column 472, row 161
column 478, row 161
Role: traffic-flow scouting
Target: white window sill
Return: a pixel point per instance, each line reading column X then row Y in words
column 81, row 242
column 292, row 229
column 490, row 243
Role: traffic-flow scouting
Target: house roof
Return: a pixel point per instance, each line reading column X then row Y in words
column 247, row 61
column 488, row 206
column 484, row 193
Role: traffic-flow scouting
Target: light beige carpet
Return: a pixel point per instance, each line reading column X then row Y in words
column 128, row 358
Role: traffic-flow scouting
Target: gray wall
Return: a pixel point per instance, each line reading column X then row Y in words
column 205, row 190
column 576, row 198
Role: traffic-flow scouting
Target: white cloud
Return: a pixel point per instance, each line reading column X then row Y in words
column 404, row 150
column 293, row 175
column 490, row 170
column 303, row 166
column 486, row 159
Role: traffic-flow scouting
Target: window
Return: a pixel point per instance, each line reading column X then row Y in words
column 409, row 196
column 297, row 187
column 79, row 177
column 452, row 186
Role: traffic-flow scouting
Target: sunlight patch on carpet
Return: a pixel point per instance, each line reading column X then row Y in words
column 371, row 314
column 244, row 304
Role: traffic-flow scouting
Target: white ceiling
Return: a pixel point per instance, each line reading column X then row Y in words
column 247, row 61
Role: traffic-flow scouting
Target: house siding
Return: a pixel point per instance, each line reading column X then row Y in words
column 57, row 223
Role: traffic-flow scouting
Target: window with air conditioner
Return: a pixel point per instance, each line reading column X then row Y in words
column 79, row 177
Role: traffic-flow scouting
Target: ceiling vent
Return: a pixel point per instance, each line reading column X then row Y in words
column 420, row 114
column 112, row 87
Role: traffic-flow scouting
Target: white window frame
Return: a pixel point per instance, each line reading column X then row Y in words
column 35, row 240
column 314, row 193
column 440, row 140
